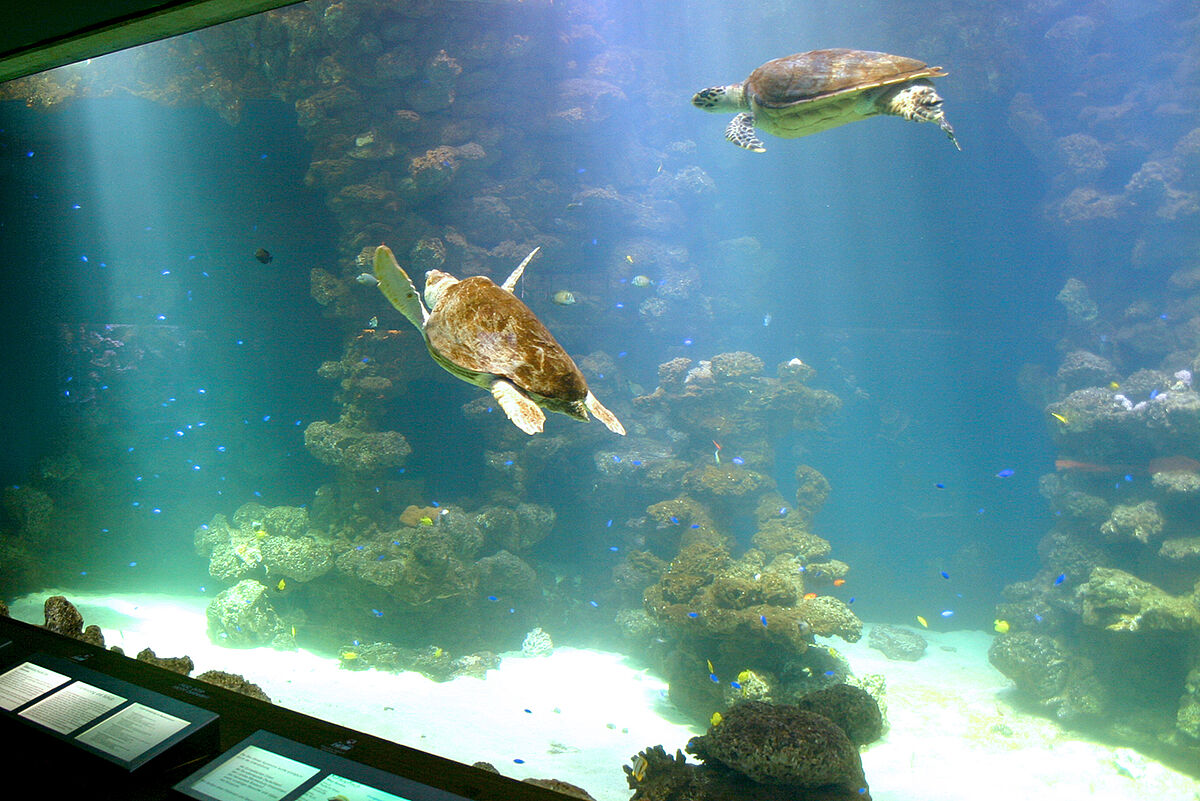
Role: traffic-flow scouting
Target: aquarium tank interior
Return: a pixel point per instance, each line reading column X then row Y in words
column 838, row 439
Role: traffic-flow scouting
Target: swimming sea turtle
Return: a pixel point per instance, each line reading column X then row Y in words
column 810, row 92
column 483, row 334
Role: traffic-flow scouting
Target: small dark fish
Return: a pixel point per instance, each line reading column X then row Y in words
column 263, row 255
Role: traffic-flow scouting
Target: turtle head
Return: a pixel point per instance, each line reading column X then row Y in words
column 437, row 282
column 721, row 98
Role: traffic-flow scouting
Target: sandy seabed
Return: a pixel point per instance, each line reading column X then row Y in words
column 578, row 715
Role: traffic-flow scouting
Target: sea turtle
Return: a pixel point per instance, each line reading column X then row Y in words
column 483, row 334
column 810, row 92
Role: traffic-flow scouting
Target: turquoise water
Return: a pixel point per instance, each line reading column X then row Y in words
column 161, row 376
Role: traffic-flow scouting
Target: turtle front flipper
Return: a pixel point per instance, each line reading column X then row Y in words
column 398, row 288
column 525, row 414
column 603, row 415
column 510, row 283
column 919, row 101
column 740, row 131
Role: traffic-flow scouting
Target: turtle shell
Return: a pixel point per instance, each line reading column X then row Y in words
column 818, row 74
column 484, row 331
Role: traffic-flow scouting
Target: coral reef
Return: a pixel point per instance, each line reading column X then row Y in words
column 1103, row 636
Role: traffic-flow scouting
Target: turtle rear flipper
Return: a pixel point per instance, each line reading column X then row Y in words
column 398, row 288
column 740, row 131
column 510, row 283
column 603, row 415
column 525, row 414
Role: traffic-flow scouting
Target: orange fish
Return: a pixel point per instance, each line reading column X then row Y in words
column 838, row 582
column 1082, row 467
column 808, row 596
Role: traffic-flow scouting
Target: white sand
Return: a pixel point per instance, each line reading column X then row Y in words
column 953, row 736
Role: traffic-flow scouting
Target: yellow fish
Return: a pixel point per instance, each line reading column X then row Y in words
column 293, row 631
column 1060, row 418
column 629, row 258
column 1001, row 626
column 639, row 767
column 1113, row 385
column 437, row 652
column 924, row 623
column 261, row 533
column 716, row 719
column 710, row 667
column 426, row 521
column 348, row 655
column 281, row 586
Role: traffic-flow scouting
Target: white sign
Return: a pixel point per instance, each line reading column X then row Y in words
column 132, row 732
column 25, row 682
column 338, row 787
column 255, row 774
column 72, row 707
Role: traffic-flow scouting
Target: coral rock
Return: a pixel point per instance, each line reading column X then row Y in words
column 783, row 745
column 898, row 643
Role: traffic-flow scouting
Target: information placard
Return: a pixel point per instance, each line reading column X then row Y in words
column 132, row 732
column 73, row 706
column 255, row 774
column 122, row 723
column 27, row 681
column 267, row 767
column 334, row 786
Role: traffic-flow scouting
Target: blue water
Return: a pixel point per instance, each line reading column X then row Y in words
column 147, row 342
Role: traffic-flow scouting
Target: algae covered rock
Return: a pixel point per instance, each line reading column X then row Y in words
column 853, row 709
column 1119, row 601
column 783, row 745
column 243, row 617
column 235, row 683
column 896, row 642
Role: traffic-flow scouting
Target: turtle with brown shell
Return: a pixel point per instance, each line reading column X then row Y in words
column 483, row 334
column 807, row 93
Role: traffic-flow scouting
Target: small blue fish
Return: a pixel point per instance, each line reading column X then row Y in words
column 613, row 548
column 940, row 485
column 763, row 619
column 674, row 520
column 1061, row 578
column 493, row 598
column 947, row 613
column 594, row 604
column 738, row 460
column 376, row 613
column 945, row 575
column 735, row 685
column 1005, row 473
column 714, row 678
column 693, row 614
column 695, row 525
